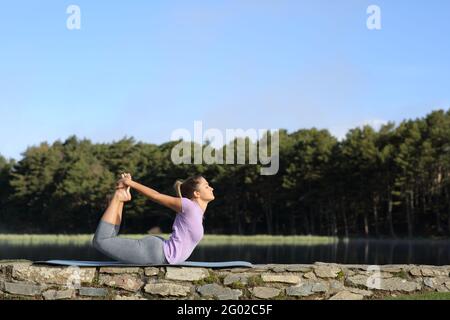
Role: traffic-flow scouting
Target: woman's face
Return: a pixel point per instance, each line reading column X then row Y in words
column 205, row 191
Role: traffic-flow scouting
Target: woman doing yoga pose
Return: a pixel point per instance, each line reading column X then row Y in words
column 194, row 194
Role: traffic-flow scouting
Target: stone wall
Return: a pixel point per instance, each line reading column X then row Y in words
column 22, row 280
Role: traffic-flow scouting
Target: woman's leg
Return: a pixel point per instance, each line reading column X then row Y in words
column 113, row 214
column 142, row 251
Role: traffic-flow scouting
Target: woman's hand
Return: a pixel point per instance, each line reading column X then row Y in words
column 124, row 181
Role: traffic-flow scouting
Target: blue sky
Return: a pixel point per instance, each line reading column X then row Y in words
column 147, row 68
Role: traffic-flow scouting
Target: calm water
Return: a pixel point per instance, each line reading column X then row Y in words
column 349, row 252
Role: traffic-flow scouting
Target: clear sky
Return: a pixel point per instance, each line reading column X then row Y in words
column 146, row 68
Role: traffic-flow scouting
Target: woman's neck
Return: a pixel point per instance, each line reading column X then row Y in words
column 202, row 204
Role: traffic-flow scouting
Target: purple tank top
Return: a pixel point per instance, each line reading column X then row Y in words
column 187, row 231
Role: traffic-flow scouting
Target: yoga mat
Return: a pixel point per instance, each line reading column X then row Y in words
column 79, row 263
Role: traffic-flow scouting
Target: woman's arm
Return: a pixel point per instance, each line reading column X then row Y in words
column 170, row 202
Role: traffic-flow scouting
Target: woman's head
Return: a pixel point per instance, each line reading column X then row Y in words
column 193, row 188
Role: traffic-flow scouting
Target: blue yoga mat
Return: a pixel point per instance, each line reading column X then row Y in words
column 78, row 263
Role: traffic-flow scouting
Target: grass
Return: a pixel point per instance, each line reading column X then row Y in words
column 265, row 240
column 255, row 281
column 211, row 278
column 38, row 239
column 423, row 296
column 83, row 239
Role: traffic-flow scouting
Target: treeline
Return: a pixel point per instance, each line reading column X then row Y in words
column 391, row 182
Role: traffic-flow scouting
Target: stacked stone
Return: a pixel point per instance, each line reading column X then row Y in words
column 22, row 280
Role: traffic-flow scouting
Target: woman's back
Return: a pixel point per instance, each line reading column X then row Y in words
column 187, row 231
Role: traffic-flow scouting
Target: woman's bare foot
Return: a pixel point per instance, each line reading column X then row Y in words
column 123, row 194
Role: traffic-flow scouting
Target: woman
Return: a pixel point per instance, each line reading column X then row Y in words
column 194, row 194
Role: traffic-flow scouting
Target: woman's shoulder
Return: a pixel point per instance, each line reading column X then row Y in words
column 188, row 205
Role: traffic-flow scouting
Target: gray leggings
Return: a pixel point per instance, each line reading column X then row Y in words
column 148, row 250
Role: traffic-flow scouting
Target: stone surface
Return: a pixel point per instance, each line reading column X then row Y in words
column 121, row 270
column 429, row 282
column 346, row 295
column 428, row 271
column 377, row 274
column 14, row 263
column 302, row 290
column 415, row 271
column 68, row 276
column 233, row 278
column 289, row 267
column 390, row 284
column 299, row 268
column 186, row 274
column 151, row 271
column 125, row 281
column 320, row 287
column 392, row 268
column 354, row 267
column 365, row 293
column 239, row 270
column 265, row 292
column 167, row 289
column 260, row 267
column 93, row 292
column 347, row 272
column 326, row 271
column 132, row 297
column 22, row 280
column 438, row 283
column 279, row 268
column 306, row 288
column 24, row 289
column 58, row 295
column 398, row 284
column 285, row 278
column 359, row 280
column 335, row 286
column 442, row 289
column 310, row 275
column 219, row 292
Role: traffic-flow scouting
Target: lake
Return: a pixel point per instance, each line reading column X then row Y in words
column 348, row 251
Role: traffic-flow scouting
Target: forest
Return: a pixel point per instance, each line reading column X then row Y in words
column 390, row 182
